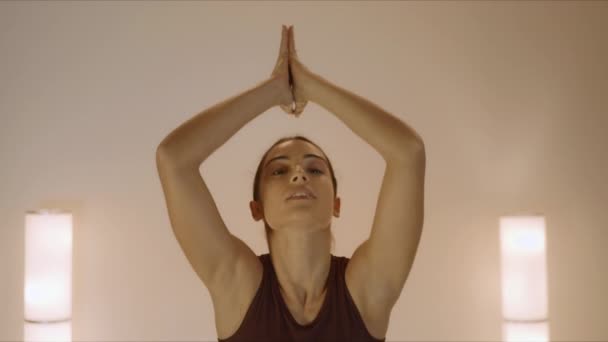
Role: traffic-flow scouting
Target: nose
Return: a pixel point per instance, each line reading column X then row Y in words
column 299, row 176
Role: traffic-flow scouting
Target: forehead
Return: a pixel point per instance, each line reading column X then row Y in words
column 293, row 149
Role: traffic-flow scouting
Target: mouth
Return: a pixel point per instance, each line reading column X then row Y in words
column 299, row 198
column 301, row 195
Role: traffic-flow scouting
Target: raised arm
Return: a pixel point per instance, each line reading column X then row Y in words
column 211, row 249
column 381, row 264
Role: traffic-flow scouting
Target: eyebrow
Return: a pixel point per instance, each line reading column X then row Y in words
column 309, row 155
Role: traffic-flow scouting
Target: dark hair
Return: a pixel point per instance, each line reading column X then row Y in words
column 256, row 182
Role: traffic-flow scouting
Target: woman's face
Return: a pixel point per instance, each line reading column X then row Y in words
column 290, row 166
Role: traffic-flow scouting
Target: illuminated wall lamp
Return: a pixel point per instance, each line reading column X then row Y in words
column 48, row 276
column 524, row 278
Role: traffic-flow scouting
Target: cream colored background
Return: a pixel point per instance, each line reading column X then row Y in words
column 509, row 97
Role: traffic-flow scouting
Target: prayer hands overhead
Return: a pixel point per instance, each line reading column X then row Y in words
column 281, row 73
column 293, row 76
column 299, row 76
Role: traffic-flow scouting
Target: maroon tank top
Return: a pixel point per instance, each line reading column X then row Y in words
column 269, row 319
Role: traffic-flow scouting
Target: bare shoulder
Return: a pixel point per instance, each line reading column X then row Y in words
column 236, row 290
column 375, row 313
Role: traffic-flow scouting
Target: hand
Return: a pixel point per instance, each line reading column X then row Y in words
column 281, row 74
column 300, row 77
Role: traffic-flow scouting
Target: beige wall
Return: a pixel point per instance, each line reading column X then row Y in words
column 510, row 99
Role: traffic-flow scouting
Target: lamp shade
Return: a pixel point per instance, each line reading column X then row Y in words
column 48, row 266
column 524, row 268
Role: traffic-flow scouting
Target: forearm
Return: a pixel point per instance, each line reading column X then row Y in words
column 193, row 141
column 390, row 136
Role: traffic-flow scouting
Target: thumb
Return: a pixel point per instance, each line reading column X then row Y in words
column 287, row 108
column 300, row 107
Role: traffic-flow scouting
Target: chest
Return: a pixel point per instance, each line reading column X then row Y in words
column 304, row 315
column 376, row 323
column 231, row 308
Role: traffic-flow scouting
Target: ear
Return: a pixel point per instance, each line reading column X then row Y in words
column 257, row 212
column 337, row 207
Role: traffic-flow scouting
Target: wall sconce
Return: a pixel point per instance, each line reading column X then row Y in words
column 48, row 275
column 524, row 278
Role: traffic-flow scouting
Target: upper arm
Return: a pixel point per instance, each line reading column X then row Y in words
column 213, row 252
column 380, row 266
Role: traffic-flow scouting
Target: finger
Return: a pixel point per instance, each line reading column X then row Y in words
column 292, row 43
column 284, row 48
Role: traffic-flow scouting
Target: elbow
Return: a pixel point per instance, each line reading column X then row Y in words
column 414, row 146
column 408, row 152
column 163, row 155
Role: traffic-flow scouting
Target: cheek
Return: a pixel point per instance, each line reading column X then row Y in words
column 269, row 191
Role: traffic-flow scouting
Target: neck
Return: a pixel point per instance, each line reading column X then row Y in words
column 301, row 261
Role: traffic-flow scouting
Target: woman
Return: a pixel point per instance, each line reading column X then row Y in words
column 298, row 291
